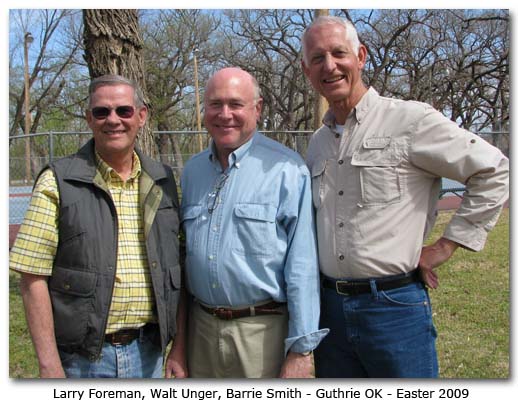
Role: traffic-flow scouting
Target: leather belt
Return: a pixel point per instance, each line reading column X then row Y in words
column 228, row 313
column 126, row 336
column 351, row 287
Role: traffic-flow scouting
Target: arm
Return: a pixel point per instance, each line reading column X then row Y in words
column 38, row 311
column 302, row 279
column 441, row 148
column 433, row 256
column 176, row 364
column 296, row 365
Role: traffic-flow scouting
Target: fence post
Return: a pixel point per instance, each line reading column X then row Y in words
column 51, row 146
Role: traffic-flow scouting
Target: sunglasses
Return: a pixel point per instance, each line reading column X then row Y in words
column 123, row 111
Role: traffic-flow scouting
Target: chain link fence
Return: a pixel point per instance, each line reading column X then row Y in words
column 28, row 154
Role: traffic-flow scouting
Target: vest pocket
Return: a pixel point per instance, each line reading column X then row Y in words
column 172, row 291
column 72, row 295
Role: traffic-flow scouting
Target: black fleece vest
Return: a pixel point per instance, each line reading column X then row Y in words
column 84, row 270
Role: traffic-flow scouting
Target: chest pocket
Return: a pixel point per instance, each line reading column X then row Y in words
column 317, row 182
column 190, row 220
column 255, row 231
column 378, row 159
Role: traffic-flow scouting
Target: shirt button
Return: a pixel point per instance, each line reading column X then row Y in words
column 341, row 257
column 473, row 141
column 340, row 162
column 211, row 257
column 341, row 224
column 214, row 228
column 214, row 285
column 340, row 192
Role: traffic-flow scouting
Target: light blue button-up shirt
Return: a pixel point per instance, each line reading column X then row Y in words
column 250, row 234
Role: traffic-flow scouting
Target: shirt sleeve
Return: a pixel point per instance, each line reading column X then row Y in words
column 440, row 147
column 36, row 243
column 301, row 268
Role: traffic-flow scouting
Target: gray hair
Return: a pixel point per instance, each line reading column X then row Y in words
column 113, row 80
column 351, row 34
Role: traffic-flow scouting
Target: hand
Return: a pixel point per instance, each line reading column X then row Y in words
column 433, row 256
column 176, row 364
column 296, row 366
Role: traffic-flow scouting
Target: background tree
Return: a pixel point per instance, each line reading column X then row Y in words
column 456, row 60
column 113, row 45
column 170, row 38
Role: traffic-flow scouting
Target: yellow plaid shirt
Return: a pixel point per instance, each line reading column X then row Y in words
column 33, row 252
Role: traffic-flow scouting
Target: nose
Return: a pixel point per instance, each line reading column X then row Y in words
column 113, row 117
column 224, row 111
column 329, row 62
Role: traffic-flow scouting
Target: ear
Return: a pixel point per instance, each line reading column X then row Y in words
column 142, row 116
column 362, row 56
column 304, row 68
column 258, row 108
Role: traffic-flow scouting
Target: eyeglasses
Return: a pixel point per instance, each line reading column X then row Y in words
column 213, row 198
column 123, row 111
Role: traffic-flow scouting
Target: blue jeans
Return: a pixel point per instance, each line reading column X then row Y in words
column 141, row 358
column 378, row 334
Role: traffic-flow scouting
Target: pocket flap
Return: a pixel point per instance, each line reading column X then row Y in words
column 176, row 276
column 376, row 143
column 259, row 212
column 377, row 151
column 190, row 212
column 318, row 168
column 73, row 282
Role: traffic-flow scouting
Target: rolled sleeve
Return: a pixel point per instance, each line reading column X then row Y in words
column 442, row 148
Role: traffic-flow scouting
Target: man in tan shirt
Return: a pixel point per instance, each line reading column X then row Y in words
column 376, row 167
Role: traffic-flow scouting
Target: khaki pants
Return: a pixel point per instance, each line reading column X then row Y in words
column 250, row 347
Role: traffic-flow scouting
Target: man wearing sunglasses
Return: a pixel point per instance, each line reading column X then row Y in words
column 98, row 250
column 251, row 263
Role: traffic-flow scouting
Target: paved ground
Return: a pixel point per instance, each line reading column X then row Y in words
column 446, row 203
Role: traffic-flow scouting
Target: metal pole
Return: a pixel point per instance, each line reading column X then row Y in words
column 197, row 92
column 26, row 42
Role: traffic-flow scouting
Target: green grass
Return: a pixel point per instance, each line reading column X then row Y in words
column 471, row 307
column 471, row 312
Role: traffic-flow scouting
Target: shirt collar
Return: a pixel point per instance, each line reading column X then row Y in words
column 108, row 173
column 236, row 156
column 359, row 111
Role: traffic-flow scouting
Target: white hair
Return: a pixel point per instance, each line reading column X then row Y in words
column 351, row 34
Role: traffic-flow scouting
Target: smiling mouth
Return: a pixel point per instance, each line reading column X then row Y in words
column 120, row 132
column 333, row 79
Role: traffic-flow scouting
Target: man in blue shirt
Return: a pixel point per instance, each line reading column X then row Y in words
column 251, row 264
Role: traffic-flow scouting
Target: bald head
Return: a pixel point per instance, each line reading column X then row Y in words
column 235, row 74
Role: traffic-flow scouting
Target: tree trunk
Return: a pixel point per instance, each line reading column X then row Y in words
column 113, row 45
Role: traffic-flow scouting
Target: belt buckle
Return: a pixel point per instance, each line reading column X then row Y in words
column 223, row 313
column 338, row 283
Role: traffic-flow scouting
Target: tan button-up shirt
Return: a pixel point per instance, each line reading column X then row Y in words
column 376, row 186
